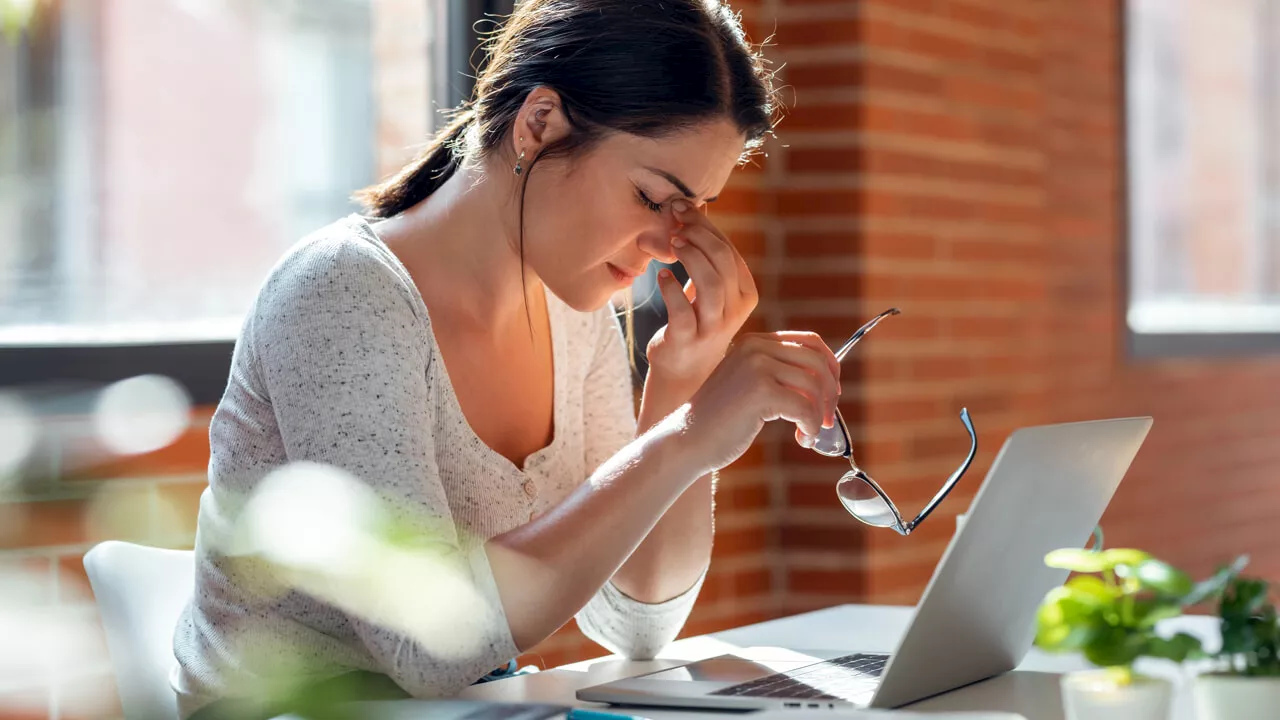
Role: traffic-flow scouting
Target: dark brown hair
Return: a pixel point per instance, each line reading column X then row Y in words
column 645, row 67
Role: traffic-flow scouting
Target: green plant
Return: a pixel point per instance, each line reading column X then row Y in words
column 1109, row 610
column 1250, row 633
column 15, row 15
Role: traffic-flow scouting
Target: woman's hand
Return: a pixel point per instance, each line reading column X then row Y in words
column 790, row 376
column 705, row 315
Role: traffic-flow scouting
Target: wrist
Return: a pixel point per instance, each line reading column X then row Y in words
column 661, row 397
column 662, row 389
column 673, row 441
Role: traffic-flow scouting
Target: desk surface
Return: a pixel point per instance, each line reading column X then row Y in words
column 1031, row 690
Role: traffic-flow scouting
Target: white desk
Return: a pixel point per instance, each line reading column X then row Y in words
column 1032, row 690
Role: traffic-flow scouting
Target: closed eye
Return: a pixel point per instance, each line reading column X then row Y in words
column 644, row 200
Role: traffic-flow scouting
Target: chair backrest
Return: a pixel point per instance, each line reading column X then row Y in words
column 141, row 591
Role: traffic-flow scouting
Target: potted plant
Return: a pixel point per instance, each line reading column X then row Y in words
column 1109, row 612
column 1246, row 680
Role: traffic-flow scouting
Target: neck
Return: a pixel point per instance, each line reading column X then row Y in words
column 464, row 240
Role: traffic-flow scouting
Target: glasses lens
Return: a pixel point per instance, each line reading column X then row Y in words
column 863, row 502
column 833, row 441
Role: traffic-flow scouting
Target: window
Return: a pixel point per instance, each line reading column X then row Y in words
column 1204, row 175
column 157, row 158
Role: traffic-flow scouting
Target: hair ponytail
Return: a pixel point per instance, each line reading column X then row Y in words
column 424, row 175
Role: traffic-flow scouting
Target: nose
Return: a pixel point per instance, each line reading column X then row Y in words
column 656, row 241
column 657, row 246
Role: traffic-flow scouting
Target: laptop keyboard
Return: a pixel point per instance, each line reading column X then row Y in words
column 844, row 678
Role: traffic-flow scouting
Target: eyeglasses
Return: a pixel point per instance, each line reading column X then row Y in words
column 862, row 496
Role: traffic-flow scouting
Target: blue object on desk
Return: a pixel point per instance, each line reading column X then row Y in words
column 581, row 714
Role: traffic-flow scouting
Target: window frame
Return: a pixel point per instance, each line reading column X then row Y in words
column 1155, row 346
column 203, row 368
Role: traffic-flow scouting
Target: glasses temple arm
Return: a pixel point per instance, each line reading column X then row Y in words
column 955, row 476
column 853, row 339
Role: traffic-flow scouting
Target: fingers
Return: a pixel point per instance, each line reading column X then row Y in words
column 736, row 285
column 681, row 319
column 828, row 389
column 796, row 396
column 746, row 282
column 814, row 342
column 699, row 231
column 806, row 359
column 703, row 276
column 802, row 439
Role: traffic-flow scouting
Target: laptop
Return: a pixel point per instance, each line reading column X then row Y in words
column 1047, row 489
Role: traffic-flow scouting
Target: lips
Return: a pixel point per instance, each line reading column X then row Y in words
column 625, row 273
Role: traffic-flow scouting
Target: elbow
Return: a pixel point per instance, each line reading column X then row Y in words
column 526, row 639
column 645, row 648
column 628, row 638
column 637, row 646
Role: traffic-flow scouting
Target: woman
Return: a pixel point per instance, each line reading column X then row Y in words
column 455, row 349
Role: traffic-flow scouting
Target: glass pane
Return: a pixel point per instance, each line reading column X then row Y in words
column 156, row 158
column 1204, row 165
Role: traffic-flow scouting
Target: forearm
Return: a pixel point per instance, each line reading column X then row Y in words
column 547, row 570
column 678, row 549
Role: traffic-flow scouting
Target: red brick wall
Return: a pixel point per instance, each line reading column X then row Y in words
column 960, row 159
column 918, row 176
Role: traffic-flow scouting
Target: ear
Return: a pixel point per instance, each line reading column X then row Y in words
column 540, row 122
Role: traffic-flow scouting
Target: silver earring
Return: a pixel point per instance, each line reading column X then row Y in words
column 519, row 168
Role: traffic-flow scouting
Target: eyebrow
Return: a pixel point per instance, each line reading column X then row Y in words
column 678, row 183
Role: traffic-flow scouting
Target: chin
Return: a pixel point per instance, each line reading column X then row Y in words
column 583, row 297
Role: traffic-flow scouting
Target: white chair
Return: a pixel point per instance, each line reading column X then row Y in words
column 141, row 591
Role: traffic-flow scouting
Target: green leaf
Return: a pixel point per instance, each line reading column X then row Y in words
column 1089, row 561
column 1176, row 648
column 1063, row 637
column 1251, row 594
column 1149, row 611
column 1067, row 620
column 1075, row 560
column 1164, row 578
column 1083, row 586
column 1124, row 556
column 1114, row 647
column 1248, row 623
column 1237, row 637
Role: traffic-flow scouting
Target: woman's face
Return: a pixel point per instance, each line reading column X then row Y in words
column 593, row 222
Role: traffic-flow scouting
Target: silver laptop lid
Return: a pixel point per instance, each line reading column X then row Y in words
column 1047, row 489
